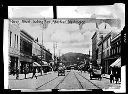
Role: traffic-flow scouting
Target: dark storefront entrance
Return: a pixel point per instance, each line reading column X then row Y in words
column 25, row 67
column 13, row 65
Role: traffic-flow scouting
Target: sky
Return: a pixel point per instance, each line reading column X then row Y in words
column 69, row 37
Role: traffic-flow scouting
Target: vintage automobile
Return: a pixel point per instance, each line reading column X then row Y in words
column 95, row 74
column 61, row 71
column 68, row 69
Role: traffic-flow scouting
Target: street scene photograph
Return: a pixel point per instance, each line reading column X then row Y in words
column 64, row 53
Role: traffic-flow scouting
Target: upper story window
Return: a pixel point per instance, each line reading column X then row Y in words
column 10, row 37
column 15, row 40
column 112, row 51
column 107, row 43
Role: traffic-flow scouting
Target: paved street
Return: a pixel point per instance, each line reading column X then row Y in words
column 72, row 80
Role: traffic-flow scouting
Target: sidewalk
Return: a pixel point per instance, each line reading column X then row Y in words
column 28, row 76
column 107, row 76
column 29, row 83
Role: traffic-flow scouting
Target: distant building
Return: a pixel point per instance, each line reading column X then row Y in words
column 48, row 56
column 94, row 48
column 14, row 47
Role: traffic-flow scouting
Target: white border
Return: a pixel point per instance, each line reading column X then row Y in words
column 5, row 52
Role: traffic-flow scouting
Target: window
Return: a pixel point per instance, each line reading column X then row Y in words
column 107, row 43
column 114, row 51
column 107, row 52
column 17, row 41
column 10, row 37
column 117, row 49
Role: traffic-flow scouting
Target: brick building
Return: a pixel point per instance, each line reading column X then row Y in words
column 102, row 29
column 105, row 52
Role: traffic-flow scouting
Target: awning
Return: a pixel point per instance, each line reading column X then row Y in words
column 82, row 65
column 45, row 63
column 35, row 64
column 117, row 63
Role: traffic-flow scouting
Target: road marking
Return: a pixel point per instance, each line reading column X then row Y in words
column 90, row 81
column 46, row 82
column 79, row 81
column 56, row 87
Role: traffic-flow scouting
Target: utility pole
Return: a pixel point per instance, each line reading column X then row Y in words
column 54, row 51
column 55, row 59
column 42, row 46
column 89, row 52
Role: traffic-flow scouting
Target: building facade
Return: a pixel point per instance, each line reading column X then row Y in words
column 48, row 56
column 26, row 42
column 36, row 51
column 14, row 47
column 94, row 48
column 104, row 52
column 116, row 47
column 102, row 29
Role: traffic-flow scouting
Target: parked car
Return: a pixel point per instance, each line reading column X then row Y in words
column 61, row 71
column 95, row 74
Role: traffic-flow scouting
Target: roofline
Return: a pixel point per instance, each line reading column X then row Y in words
column 93, row 35
column 115, row 37
column 23, row 31
column 107, row 36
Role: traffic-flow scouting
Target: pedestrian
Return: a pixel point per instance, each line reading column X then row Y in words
column 81, row 70
column 111, row 78
column 17, row 73
column 25, row 72
column 116, row 77
column 34, row 73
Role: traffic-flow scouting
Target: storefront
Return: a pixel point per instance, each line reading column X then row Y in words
column 25, row 64
column 116, row 67
column 13, row 65
column 37, row 66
